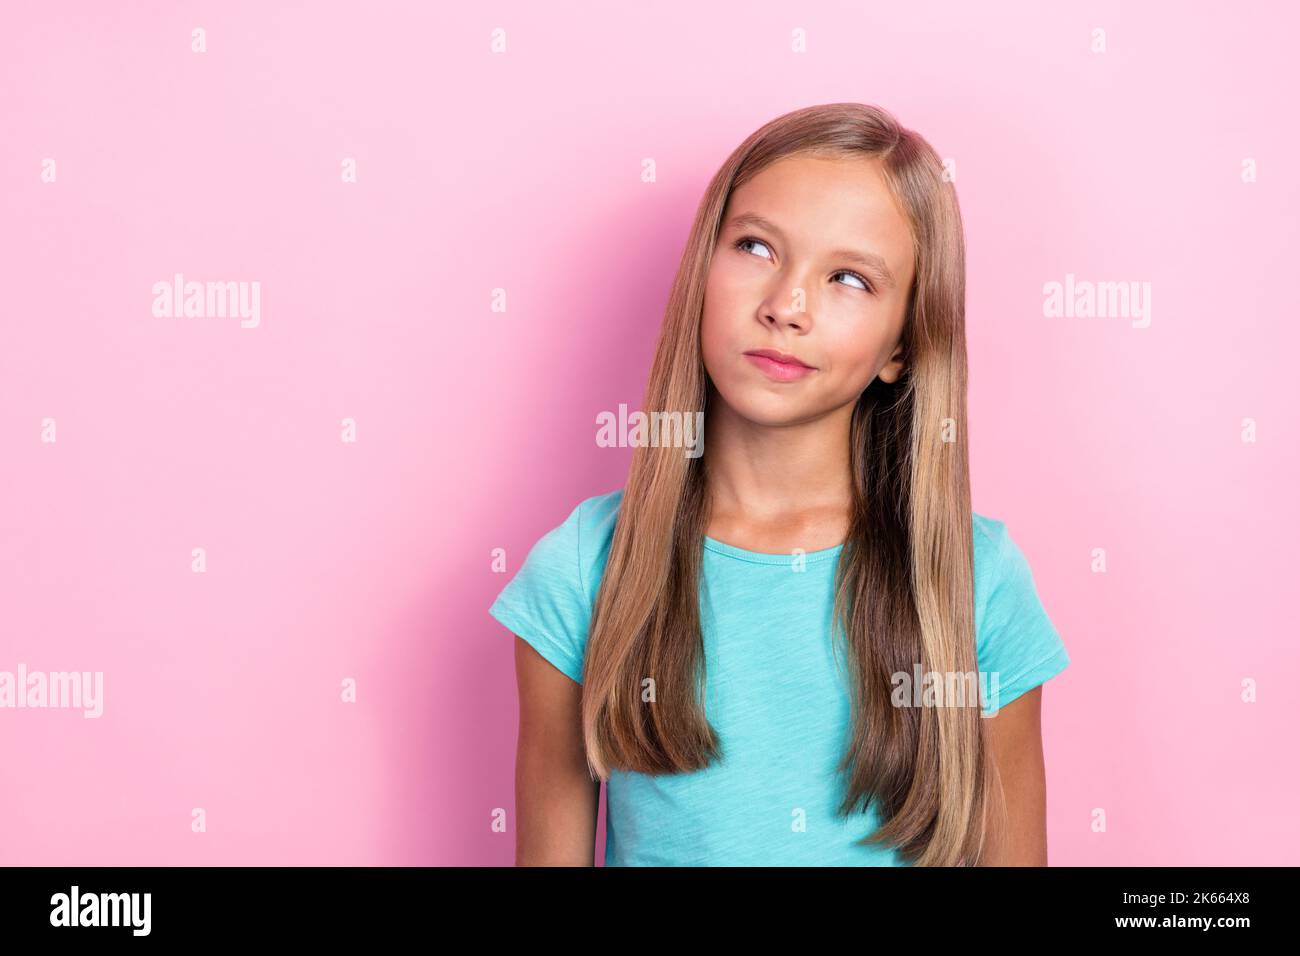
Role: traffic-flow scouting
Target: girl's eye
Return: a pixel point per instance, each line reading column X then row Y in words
column 746, row 241
column 866, row 286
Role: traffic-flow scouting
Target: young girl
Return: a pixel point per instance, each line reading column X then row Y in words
column 800, row 647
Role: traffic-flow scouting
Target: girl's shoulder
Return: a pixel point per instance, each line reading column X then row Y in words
column 588, row 533
column 997, row 556
column 549, row 600
column 1015, row 636
column 989, row 537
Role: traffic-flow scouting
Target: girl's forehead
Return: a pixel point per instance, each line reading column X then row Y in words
column 796, row 187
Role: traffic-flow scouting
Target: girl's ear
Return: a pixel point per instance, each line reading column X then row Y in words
column 894, row 367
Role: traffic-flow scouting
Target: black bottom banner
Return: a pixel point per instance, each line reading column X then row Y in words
column 338, row 905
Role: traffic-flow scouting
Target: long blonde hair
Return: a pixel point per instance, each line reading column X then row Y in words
column 904, row 580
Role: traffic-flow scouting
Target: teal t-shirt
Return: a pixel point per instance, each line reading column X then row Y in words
column 775, row 695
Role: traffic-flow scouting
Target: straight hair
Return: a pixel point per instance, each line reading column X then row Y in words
column 904, row 578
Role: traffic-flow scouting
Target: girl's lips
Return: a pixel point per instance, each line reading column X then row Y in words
column 779, row 371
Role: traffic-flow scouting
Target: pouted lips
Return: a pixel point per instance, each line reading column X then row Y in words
column 779, row 366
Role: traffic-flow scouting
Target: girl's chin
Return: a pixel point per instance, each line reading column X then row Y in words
column 770, row 410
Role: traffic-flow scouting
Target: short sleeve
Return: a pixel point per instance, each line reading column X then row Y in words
column 1017, row 645
column 546, row 603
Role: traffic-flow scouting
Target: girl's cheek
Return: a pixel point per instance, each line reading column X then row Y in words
column 713, row 342
column 731, row 284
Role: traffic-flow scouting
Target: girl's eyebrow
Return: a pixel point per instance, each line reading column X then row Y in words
column 868, row 260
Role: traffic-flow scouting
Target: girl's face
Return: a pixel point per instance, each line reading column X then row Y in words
column 814, row 261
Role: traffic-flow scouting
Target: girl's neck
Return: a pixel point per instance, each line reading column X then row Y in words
column 780, row 487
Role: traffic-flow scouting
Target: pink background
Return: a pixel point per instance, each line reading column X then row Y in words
column 476, row 428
